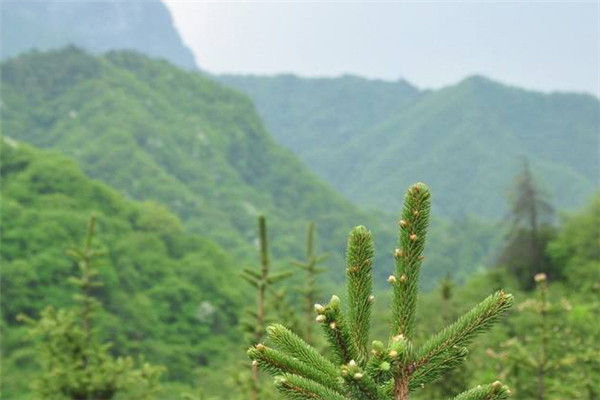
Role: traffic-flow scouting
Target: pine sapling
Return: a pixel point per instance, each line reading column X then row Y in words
column 261, row 281
column 383, row 371
column 311, row 290
column 75, row 363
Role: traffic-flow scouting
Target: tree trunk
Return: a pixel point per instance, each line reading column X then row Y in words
column 401, row 391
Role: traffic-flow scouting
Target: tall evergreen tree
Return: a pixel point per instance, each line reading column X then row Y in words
column 389, row 371
column 525, row 251
column 310, row 290
column 76, row 365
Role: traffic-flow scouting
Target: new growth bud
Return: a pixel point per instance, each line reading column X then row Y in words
column 377, row 346
column 391, row 279
column 319, row 308
column 320, row 318
column 335, row 301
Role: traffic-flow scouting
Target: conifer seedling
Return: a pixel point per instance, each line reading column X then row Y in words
column 311, row 289
column 75, row 363
column 389, row 370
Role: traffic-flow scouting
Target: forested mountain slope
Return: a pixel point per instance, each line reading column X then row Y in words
column 155, row 132
column 167, row 294
column 471, row 135
column 98, row 26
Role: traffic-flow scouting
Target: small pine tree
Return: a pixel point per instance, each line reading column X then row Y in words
column 75, row 364
column 389, row 371
column 310, row 290
column 547, row 348
column 262, row 281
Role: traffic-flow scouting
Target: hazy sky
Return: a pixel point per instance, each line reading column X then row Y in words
column 540, row 45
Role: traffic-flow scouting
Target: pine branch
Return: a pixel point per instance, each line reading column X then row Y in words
column 287, row 341
column 438, row 366
column 278, row 363
column 336, row 330
column 493, row 391
column 380, row 364
column 359, row 261
column 298, row 388
column 409, row 257
column 460, row 333
column 360, row 385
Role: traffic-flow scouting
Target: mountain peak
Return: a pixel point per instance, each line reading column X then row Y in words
column 143, row 26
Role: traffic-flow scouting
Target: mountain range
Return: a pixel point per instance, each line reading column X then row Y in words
column 369, row 138
column 366, row 138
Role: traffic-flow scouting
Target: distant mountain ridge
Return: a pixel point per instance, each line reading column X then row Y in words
column 97, row 26
column 466, row 138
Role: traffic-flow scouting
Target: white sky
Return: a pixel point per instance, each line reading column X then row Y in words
column 539, row 45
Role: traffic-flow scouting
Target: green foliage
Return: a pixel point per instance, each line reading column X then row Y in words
column 549, row 357
column 390, row 371
column 75, row 364
column 353, row 132
column 166, row 294
column 577, row 248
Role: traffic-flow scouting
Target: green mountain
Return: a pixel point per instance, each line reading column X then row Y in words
column 155, row 132
column 370, row 139
column 97, row 26
column 167, row 294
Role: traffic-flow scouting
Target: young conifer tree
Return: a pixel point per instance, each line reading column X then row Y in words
column 262, row 281
column 311, row 290
column 75, row 363
column 386, row 371
column 548, row 349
